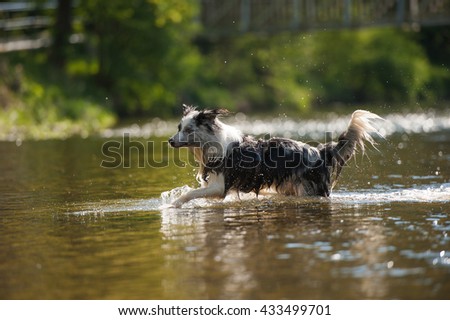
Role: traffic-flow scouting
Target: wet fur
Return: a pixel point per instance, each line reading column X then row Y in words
column 229, row 160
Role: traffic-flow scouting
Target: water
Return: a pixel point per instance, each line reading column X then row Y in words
column 70, row 229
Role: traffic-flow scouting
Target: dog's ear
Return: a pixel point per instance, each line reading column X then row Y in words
column 212, row 114
column 187, row 109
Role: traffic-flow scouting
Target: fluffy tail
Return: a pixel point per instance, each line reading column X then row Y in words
column 357, row 134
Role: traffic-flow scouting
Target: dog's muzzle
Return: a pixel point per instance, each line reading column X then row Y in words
column 172, row 142
column 176, row 144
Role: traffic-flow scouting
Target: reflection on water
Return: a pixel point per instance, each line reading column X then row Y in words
column 314, row 250
column 70, row 229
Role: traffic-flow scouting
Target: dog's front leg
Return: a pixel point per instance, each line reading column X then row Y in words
column 215, row 188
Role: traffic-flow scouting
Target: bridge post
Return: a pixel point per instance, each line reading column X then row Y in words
column 295, row 24
column 414, row 9
column 400, row 17
column 245, row 15
column 233, row 17
column 347, row 13
column 311, row 13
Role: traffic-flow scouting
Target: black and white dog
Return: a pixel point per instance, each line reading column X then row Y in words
column 229, row 160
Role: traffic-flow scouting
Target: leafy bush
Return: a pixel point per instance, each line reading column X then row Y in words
column 143, row 51
column 372, row 65
column 146, row 57
column 33, row 108
column 295, row 72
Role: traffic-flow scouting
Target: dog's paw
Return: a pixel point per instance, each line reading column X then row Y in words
column 168, row 198
column 177, row 203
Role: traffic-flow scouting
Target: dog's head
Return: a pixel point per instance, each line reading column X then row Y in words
column 197, row 127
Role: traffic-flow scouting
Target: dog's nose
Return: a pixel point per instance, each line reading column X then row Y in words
column 171, row 141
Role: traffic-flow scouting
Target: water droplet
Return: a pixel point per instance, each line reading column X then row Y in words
column 336, row 257
column 442, row 253
column 191, row 248
column 390, row 264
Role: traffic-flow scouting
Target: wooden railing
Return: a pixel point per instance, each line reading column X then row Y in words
column 26, row 25
column 232, row 17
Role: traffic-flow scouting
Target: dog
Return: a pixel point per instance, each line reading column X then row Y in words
column 229, row 160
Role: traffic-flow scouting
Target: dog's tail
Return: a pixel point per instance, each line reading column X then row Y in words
column 358, row 133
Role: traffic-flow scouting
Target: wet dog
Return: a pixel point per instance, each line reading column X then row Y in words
column 229, row 160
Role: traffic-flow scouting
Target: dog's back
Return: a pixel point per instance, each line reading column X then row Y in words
column 290, row 167
column 283, row 165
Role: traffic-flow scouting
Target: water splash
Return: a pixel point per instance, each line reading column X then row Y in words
column 424, row 194
column 122, row 206
column 436, row 193
column 167, row 197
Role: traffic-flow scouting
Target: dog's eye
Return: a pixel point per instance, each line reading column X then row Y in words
column 188, row 130
column 179, row 127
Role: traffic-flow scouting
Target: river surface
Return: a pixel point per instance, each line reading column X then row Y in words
column 77, row 223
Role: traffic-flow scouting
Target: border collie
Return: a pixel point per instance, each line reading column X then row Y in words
column 229, row 160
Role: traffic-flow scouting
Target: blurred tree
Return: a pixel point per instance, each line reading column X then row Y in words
column 372, row 65
column 144, row 56
column 436, row 43
column 143, row 50
column 294, row 72
column 62, row 30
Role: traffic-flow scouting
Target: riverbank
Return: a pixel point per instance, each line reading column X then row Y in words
column 298, row 75
column 38, row 103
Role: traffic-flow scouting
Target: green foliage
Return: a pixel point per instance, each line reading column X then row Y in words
column 31, row 107
column 371, row 65
column 255, row 73
column 143, row 51
column 146, row 57
column 295, row 72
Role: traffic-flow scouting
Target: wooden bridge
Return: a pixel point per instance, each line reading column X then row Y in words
column 25, row 24
column 232, row 17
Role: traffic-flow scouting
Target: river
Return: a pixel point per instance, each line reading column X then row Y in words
column 77, row 224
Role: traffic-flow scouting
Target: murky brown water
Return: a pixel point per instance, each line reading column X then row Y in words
column 70, row 229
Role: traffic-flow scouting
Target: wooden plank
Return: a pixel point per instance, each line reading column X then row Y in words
column 24, row 44
column 25, row 23
column 19, row 6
